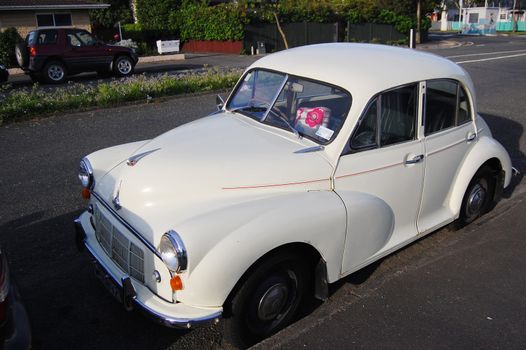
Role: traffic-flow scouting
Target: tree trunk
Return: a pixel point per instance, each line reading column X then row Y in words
column 418, row 10
column 281, row 30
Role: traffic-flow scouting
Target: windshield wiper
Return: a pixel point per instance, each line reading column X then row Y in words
column 286, row 121
column 250, row 109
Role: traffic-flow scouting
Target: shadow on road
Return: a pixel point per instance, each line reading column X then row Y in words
column 68, row 307
column 509, row 132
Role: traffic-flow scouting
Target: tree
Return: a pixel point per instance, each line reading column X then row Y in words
column 119, row 10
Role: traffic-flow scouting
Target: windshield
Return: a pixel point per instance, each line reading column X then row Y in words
column 304, row 107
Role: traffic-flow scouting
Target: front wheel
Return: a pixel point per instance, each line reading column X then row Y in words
column 478, row 197
column 123, row 66
column 267, row 301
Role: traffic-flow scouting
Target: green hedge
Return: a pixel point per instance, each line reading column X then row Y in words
column 8, row 40
column 198, row 21
column 155, row 14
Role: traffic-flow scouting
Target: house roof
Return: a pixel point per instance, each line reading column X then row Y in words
column 6, row 5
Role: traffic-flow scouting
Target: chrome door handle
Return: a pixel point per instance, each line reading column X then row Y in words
column 415, row 159
column 471, row 137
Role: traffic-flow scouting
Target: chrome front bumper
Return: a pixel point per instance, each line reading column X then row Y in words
column 122, row 289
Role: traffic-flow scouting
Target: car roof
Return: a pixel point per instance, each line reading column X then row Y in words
column 363, row 69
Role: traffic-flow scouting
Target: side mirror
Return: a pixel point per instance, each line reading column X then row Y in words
column 219, row 102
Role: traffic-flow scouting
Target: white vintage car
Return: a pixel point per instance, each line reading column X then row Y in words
column 324, row 159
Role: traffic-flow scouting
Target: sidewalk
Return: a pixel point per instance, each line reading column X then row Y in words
column 454, row 290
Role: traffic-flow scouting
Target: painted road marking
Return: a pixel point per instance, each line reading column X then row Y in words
column 491, row 58
column 486, row 53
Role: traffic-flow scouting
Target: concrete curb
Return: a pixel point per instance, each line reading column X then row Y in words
column 162, row 58
column 145, row 59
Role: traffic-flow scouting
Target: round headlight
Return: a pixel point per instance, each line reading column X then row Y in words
column 173, row 252
column 86, row 173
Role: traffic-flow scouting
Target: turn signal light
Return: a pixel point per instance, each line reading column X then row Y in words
column 176, row 283
column 85, row 193
column 32, row 51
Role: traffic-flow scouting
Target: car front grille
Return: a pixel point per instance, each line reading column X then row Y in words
column 121, row 250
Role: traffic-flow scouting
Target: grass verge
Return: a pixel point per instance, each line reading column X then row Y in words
column 23, row 104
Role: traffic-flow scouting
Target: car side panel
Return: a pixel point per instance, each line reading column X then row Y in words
column 317, row 218
column 484, row 149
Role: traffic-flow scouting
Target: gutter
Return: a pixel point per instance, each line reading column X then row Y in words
column 56, row 7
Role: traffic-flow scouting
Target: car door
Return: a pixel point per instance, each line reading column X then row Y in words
column 84, row 53
column 449, row 134
column 380, row 176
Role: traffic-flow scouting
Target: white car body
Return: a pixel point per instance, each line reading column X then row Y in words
column 235, row 189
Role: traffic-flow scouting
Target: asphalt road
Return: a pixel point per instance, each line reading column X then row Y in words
column 450, row 290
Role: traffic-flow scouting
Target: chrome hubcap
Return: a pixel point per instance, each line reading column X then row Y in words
column 55, row 72
column 273, row 302
column 476, row 200
column 124, row 66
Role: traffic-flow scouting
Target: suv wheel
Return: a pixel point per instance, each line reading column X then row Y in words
column 123, row 66
column 55, row 72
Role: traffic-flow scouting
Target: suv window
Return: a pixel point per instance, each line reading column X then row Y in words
column 42, row 37
column 80, row 38
column 390, row 118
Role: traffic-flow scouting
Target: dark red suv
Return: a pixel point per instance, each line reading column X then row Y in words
column 51, row 55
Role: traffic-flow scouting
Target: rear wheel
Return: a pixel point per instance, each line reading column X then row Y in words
column 123, row 66
column 478, row 197
column 267, row 301
column 55, row 72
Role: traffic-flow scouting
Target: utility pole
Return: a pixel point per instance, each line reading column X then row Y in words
column 514, row 19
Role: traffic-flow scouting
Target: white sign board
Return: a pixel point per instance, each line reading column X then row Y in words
column 167, row 46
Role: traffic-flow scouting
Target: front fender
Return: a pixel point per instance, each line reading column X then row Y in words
column 317, row 218
column 485, row 149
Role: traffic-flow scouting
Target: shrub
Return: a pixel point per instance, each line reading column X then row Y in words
column 155, row 14
column 8, row 40
column 106, row 18
column 199, row 21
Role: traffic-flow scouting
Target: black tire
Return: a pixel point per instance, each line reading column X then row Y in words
column 22, row 55
column 54, row 72
column 478, row 197
column 267, row 301
column 123, row 66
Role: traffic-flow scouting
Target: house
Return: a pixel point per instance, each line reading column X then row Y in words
column 27, row 15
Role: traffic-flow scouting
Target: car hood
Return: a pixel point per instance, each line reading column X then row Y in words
column 206, row 165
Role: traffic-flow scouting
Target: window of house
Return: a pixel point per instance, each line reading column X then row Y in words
column 473, row 18
column 390, row 118
column 54, row 19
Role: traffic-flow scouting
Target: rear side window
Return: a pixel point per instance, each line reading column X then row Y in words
column 447, row 105
column 43, row 37
column 464, row 108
